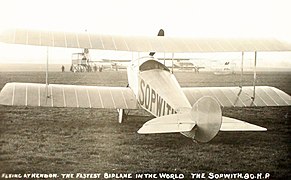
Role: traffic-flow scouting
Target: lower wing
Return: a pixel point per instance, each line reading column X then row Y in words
column 58, row 95
column 240, row 97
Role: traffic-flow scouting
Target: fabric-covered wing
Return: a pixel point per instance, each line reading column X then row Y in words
column 235, row 97
column 56, row 95
column 139, row 43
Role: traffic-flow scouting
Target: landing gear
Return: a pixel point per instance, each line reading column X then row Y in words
column 122, row 115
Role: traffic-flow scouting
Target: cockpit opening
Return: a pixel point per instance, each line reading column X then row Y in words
column 152, row 64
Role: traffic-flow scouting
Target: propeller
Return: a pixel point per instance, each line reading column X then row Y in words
column 161, row 33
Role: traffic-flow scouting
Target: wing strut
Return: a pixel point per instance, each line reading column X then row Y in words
column 46, row 72
column 164, row 58
column 255, row 76
column 172, row 63
column 242, row 70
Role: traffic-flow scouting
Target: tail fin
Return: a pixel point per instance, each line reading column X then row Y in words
column 206, row 112
column 201, row 123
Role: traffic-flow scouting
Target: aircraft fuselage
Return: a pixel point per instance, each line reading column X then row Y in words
column 157, row 89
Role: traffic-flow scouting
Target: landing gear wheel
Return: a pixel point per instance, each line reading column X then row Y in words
column 122, row 115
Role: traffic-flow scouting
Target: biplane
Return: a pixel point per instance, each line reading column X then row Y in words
column 194, row 112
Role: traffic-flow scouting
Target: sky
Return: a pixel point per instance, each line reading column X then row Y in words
column 187, row 18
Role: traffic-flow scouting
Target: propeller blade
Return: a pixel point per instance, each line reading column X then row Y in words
column 161, row 33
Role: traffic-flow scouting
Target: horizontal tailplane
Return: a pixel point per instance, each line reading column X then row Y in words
column 231, row 124
column 201, row 123
column 168, row 124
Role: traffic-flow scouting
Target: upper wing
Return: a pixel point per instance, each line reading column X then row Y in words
column 56, row 95
column 235, row 97
column 139, row 43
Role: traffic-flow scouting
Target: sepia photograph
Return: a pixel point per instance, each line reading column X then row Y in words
column 135, row 89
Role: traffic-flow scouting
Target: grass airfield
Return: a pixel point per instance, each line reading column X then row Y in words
column 72, row 140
